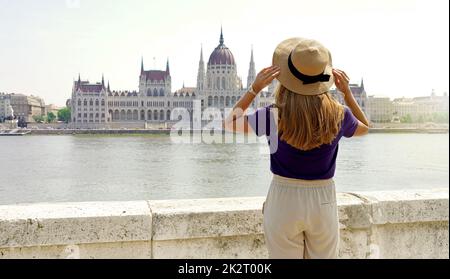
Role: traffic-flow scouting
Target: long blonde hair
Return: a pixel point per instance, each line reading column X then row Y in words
column 307, row 122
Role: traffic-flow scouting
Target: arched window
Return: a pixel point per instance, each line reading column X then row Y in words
column 227, row 101
column 129, row 115
column 85, row 102
column 216, row 101
column 79, row 103
column 149, row 92
column 210, row 101
column 135, row 115
column 168, row 115
column 149, row 115
column 218, row 83
column 161, row 115
column 116, row 115
column 155, row 92
column 161, row 92
column 142, row 115
column 155, row 114
column 222, row 101
column 123, row 115
column 223, row 82
column 97, row 102
column 91, row 102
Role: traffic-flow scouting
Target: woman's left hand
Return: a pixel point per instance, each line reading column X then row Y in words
column 265, row 77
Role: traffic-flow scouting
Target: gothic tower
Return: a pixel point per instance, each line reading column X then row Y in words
column 201, row 71
column 251, row 71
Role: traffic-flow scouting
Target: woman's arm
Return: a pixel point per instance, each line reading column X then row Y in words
column 235, row 122
column 342, row 83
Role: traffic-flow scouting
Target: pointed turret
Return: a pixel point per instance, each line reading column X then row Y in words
column 142, row 64
column 77, row 84
column 251, row 71
column 221, row 41
column 109, row 88
column 103, row 81
column 362, row 83
column 201, row 71
column 167, row 67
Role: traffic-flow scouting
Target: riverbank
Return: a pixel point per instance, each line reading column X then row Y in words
column 168, row 131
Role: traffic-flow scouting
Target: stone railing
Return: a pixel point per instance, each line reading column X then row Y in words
column 394, row 224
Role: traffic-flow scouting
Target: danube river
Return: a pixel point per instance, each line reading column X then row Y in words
column 114, row 168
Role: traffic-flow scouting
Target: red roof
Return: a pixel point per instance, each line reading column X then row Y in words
column 221, row 56
column 85, row 86
column 155, row 75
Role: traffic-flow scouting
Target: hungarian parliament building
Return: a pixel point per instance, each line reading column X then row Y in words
column 219, row 87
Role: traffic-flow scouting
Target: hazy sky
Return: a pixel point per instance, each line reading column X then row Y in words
column 400, row 47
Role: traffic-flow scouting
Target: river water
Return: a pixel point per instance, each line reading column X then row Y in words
column 151, row 167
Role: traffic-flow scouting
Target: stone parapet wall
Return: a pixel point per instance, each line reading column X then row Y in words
column 389, row 224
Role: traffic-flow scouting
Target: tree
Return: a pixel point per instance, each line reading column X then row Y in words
column 51, row 117
column 406, row 119
column 64, row 114
column 440, row 117
column 39, row 118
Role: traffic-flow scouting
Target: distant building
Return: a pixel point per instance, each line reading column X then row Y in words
column 26, row 107
column 5, row 101
column 380, row 109
column 219, row 87
column 52, row 108
column 418, row 109
column 359, row 92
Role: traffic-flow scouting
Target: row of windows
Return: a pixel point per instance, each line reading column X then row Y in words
column 153, row 82
column 223, row 101
column 142, row 115
column 91, row 115
column 91, row 109
column 227, row 101
column 90, row 120
column 150, row 104
column 218, row 84
column 183, row 104
column 155, row 92
column 123, row 103
column 220, row 67
column 91, row 102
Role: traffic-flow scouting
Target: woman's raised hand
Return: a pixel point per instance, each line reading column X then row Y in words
column 341, row 80
column 265, row 77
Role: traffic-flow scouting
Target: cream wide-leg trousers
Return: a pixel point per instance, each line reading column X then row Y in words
column 301, row 219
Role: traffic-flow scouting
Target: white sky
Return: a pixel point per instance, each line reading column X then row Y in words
column 400, row 47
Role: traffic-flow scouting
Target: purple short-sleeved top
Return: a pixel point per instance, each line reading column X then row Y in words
column 288, row 161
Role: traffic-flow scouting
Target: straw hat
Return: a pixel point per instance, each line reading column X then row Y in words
column 305, row 66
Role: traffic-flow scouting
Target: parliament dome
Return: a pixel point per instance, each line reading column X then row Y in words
column 221, row 54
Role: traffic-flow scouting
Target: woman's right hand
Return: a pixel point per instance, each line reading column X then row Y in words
column 341, row 80
column 265, row 77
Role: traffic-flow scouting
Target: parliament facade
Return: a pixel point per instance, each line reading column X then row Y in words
column 218, row 87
